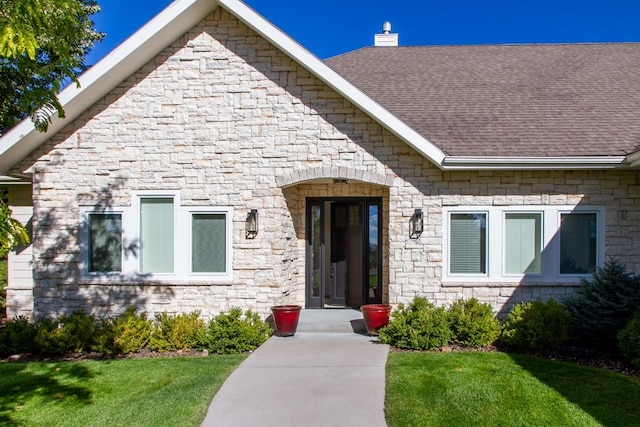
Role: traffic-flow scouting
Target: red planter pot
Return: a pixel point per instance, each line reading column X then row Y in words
column 286, row 318
column 375, row 316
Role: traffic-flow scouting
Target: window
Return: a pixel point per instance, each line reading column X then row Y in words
column 522, row 243
column 578, row 243
column 208, row 243
column 157, row 239
column 105, row 242
column 468, row 243
column 156, row 235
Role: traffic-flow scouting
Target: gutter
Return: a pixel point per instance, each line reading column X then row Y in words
column 537, row 163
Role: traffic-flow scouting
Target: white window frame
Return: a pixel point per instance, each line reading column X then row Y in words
column 182, row 239
column 550, row 262
column 85, row 252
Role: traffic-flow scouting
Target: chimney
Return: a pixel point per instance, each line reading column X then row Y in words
column 386, row 38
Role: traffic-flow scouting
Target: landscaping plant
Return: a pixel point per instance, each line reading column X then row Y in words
column 536, row 325
column 17, row 336
column 472, row 323
column 177, row 332
column 231, row 333
column 629, row 340
column 603, row 306
column 419, row 326
column 68, row 333
column 129, row 333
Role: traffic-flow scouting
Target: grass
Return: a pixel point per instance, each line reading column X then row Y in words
column 498, row 389
column 130, row 392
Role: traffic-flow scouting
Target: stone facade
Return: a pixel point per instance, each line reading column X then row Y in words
column 226, row 119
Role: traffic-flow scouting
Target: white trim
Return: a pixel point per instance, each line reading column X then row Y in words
column 131, row 248
column 534, row 163
column 495, row 244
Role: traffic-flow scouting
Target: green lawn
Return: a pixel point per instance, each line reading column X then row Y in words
column 136, row 392
column 498, row 389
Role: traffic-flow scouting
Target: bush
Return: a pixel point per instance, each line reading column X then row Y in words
column 472, row 324
column 419, row 326
column 126, row 334
column 629, row 340
column 177, row 332
column 3, row 285
column 68, row 333
column 232, row 333
column 17, row 336
column 536, row 325
column 604, row 305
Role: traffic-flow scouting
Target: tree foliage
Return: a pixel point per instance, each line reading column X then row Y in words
column 12, row 232
column 43, row 44
column 603, row 306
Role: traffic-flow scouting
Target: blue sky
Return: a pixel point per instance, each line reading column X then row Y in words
column 332, row 27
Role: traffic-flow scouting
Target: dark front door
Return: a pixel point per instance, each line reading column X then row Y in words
column 343, row 256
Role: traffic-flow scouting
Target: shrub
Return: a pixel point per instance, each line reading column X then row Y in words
column 419, row 326
column 629, row 340
column 177, row 332
column 3, row 284
column 132, row 332
column 126, row 334
column 472, row 324
column 230, row 333
column 68, row 333
column 17, row 336
column 536, row 325
column 604, row 305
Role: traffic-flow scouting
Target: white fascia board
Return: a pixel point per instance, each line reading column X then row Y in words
column 633, row 159
column 166, row 27
column 338, row 83
column 534, row 163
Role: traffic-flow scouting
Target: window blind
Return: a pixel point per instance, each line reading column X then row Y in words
column 208, row 243
column 156, row 235
column 468, row 243
column 522, row 250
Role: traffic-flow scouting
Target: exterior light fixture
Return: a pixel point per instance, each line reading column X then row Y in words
column 251, row 224
column 417, row 223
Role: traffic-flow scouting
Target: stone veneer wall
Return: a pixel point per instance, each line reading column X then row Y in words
column 228, row 120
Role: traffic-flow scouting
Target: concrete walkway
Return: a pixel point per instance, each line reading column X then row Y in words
column 310, row 379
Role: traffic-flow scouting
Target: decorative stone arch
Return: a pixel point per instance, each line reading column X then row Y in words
column 333, row 172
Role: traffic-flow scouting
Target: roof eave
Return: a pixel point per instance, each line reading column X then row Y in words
column 535, row 163
column 146, row 43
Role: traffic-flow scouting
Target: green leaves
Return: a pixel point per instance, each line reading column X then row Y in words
column 12, row 232
column 43, row 44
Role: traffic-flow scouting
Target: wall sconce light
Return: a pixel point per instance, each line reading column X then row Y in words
column 251, row 224
column 417, row 223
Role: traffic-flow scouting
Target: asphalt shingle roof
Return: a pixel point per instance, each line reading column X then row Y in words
column 508, row 100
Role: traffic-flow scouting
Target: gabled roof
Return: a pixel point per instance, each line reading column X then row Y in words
column 181, row 15
column 535, row 101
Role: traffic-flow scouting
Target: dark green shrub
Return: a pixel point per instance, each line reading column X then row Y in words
column 177, row 332
column 230, row 333
column 105, row 337
column 472, row 324
column 536, row 325
column 419, row 326
column 68, row 333
column 629, row 340
column 604, row 305
column 17, row 336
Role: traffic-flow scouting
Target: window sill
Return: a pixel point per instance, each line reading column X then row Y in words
column 116, row 279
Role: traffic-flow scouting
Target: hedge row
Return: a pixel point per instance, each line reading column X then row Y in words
column 233, row 332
